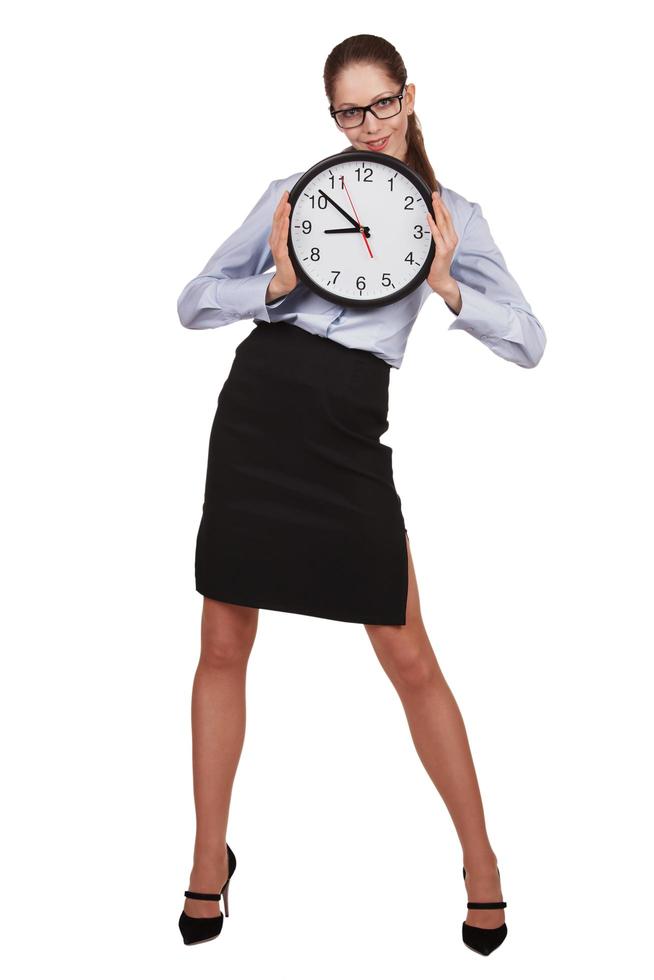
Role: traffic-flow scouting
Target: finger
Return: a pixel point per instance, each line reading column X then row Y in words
column 279, row 210
column 283, row 233
column 433, row 224
column 435, row 230
column 441, row 212
column 281, row 228
column 283, row 219
column 444, row 223
column 281, row 207
column 272, row 239
column 439, row 206
column 274, row 233
column 278, row 219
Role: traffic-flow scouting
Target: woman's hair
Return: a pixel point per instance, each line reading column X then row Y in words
column 368, row 49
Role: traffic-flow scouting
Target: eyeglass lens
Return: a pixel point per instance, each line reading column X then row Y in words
column 348, row 118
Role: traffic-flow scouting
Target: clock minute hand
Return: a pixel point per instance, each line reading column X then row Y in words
column 363, row 234
column 343, row 212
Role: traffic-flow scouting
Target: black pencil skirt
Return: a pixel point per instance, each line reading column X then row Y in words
column 300, row 510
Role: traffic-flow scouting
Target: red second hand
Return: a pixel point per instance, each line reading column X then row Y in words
column 357, row 217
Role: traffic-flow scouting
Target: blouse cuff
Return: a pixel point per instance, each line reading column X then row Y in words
column 512, row 332
column 245, row 298
column 483, row 317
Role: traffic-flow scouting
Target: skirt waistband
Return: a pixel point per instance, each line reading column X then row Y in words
column 284, row 348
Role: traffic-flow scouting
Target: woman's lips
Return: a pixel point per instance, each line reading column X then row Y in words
column 381, row 145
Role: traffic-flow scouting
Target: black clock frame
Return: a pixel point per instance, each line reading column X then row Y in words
column 367, row 156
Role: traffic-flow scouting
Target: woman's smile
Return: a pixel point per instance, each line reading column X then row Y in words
column 377, row 144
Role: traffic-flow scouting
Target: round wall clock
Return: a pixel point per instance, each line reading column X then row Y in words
column 358, row 232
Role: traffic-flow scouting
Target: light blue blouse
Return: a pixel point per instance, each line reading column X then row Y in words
column 232, row 286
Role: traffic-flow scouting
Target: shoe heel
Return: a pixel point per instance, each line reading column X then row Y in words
column 226, row 897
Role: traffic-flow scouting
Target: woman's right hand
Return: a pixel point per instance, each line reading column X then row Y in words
column 284, row 280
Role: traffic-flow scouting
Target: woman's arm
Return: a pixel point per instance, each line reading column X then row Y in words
column 233, row 284
column 492, row 306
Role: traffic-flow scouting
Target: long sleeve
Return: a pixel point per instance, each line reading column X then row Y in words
column 232, row 286
column 494, row 309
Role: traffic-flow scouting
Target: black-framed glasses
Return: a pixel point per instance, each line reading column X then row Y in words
column 353, row 116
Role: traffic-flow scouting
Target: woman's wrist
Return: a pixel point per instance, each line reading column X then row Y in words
column 451, row 294
column 274, row 292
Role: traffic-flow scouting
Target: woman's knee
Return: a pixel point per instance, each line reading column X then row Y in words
column 227, row 633
column 410, row 663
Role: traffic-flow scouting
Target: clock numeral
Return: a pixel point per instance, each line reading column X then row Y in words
column 332, row 181
column 322, row 201
column 409, row 207
column 361, row 283
column 390, row 181
column 306, row 227
column 418, row 231
column 336, row 273
column 315, row 253
column 367, row 171
column 410, row 259
column 386, row 279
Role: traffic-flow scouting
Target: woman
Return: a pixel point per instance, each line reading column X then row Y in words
column 300, row 511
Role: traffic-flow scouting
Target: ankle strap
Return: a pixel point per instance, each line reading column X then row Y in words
column 486, row 905
column 203, row 895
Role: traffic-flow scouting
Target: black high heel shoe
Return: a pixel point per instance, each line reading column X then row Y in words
column 196, row 930
column 484, row 941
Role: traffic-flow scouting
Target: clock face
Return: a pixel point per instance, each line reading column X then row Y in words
column 358, row 232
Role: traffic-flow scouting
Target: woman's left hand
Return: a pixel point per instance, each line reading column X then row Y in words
column 445, row 240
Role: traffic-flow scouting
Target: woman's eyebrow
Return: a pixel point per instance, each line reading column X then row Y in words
column 343, row 104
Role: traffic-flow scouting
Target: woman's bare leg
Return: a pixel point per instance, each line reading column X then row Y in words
column 218, row 723
column 440, row 738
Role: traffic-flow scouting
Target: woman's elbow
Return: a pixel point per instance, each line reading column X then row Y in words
column 186, row 310
column 537, row 345
column 530, row 339
column 184, row 318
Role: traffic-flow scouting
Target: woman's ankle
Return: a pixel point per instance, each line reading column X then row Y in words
column 480, row 862
column 208, row 859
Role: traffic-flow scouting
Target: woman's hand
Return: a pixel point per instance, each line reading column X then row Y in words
column 445, row 240
column 284, row 280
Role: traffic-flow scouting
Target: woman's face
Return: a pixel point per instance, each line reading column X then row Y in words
column 360, row 85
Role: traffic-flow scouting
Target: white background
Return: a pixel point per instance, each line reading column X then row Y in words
column 137, row 138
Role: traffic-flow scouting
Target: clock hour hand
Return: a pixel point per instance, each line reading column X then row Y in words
column 348, row 231
column 343, row 212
